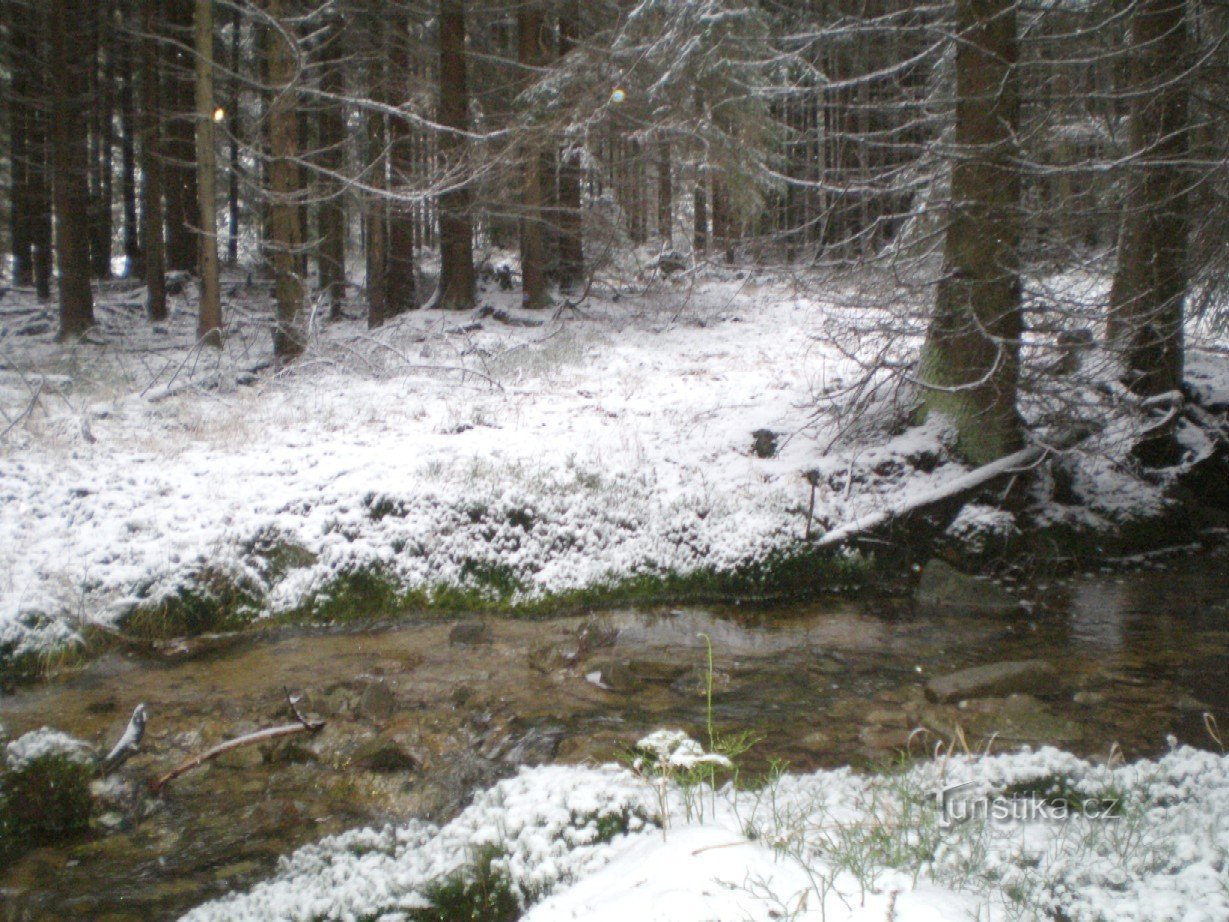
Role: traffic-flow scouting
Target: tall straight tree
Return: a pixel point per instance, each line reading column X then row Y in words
column 179, row 139
column 970, row 361
column 209, row 315
column 456, row 287
column 70, row 74
column 532, row 55
column 283, row 172
column 152, row 223
column 1150, row 285
column 401, row 295
column 332, row 252
column 570, row 215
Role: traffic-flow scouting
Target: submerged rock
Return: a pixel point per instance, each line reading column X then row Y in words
column 943, row 588
column 470, row 633
column 996, row 680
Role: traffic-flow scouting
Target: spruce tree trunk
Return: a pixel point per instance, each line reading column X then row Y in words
column 284, row 229
column 236, row 62
column 38, row 203
column 970, row 360
column 332, row 253
column 21, row 63
column 70, row 77
column 531, row 53
column 700, row 217
column 456, row 230
column 570, row 218
column 209, row 316
column 1150, row 285
column 665, row 195
column 152, row 224
column 179, row 173
column 134, row 267
column 402, row 296
column 102, row 132
column 375, row 215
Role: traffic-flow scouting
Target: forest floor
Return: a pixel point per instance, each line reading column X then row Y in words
column 682, row 435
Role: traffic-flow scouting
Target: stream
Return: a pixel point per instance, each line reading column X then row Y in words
column 420, row 714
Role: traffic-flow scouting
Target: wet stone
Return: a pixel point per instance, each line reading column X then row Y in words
column 994, row 680
column 377, row 701
column 384, row 756
column 470, row 633
column 945, row 589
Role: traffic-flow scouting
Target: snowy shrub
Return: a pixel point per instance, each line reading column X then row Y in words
column 44, row 790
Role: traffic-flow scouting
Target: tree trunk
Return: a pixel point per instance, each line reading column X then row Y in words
column 151, row 166
column 179, row 175
column 332, row 260
column 23, row 65
column 970, row 360
column 400, row 271
column 456, row 287
column 665, row 195
column 570, row 213
column 71, row 166
column 284, row 228
column 209, row 317
column 531, row 53
column 375, row 215
column 1150, row 285
column 133, row 265
column 236, row 62
column 700, row 216
column 102, row 131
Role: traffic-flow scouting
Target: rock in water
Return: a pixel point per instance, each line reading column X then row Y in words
column 945, row 589
column 997, row 680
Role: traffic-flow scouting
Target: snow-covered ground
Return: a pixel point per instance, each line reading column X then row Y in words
column 1058, row 838
column 589, row 447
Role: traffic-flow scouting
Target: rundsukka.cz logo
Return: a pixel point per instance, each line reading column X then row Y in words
column 961, row 803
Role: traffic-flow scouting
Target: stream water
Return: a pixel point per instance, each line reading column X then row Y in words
column 420, row 714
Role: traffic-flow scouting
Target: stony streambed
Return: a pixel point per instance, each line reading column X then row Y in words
column 420, row 715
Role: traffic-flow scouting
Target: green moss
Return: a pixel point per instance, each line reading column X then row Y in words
column 41, row 803
column 356, row 595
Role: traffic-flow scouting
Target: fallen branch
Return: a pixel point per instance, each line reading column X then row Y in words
column 260, row 736
column 966, row 483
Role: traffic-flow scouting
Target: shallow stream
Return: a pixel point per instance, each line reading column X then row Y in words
column 420, row 714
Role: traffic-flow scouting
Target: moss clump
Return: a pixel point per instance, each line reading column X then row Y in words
column 356, row 595
column 214, row 600
column 480, row 892
column 45, row 796
column 274, row 555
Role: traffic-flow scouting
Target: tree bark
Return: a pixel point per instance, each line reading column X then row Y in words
column 401, row 295
column 570, row 212
column 970, row 360
column 236, row 62
column 23, row 66
column 71, row 165
column 151, row 166
column 531, row 54
column 1150, row 285
column 133, row 264
column 456, row 286
column 284, row 228
column 665, row 194
column 332, row 253
column 209, row 316
column 179, row 145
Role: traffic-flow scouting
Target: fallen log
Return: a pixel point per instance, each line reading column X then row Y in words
column 971, row 482
column 304, row 725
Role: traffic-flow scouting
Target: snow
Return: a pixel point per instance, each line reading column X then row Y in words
column 45, row 742
column 833, row 845
column 607, row 443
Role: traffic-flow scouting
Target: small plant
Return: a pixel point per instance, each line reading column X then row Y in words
column 44, row 790
column 479, row 892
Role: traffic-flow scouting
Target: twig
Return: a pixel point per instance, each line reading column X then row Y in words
column 303, row 725
column 27, row 411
